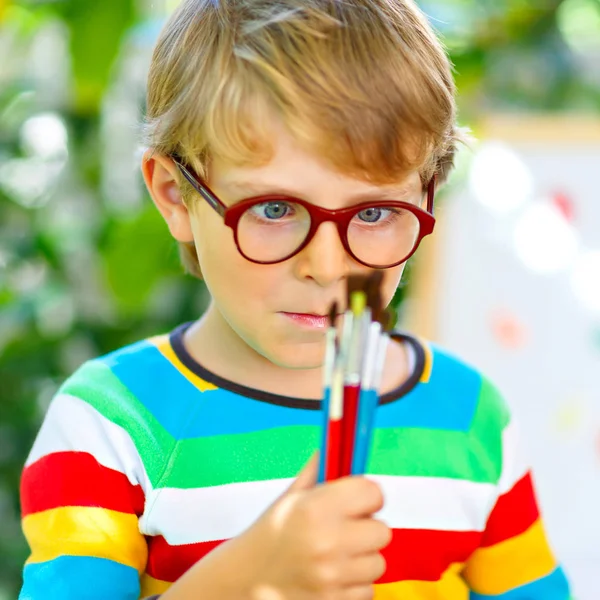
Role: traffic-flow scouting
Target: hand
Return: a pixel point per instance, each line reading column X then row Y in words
column 319, row 543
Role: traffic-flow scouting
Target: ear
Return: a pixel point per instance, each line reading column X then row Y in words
column 160, row 175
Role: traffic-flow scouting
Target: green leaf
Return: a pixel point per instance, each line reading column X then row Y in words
column 139, row 253
column 96, row 30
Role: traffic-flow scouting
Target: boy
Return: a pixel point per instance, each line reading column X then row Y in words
column 169, row 467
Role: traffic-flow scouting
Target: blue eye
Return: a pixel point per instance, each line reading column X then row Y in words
column 272, row 210
column 372, row 215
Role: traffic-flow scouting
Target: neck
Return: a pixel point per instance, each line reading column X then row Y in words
column 219, row 349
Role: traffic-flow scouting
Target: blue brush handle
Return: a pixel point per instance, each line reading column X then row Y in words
column 325, row 425
column 367, row 404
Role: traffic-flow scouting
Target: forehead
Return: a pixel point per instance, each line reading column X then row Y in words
column 292, row 167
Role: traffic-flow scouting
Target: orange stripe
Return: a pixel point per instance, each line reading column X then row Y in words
column 152, row 587
column 428, row 367
column 450, row 587
column 86, row 531
column 163, row 345
column 510, row 564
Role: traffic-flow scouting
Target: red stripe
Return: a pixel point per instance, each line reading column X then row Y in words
column 169, row 563
column 77, row 479
column 515, row 512
column 413, row 554
column 424, row 555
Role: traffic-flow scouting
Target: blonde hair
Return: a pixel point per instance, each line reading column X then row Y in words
column 364, row 84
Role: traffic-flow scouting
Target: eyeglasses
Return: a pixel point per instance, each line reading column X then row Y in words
column 272, row 229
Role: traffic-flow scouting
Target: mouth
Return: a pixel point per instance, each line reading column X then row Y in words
column 310, row 321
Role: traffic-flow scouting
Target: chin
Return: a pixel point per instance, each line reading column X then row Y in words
column 297, row 356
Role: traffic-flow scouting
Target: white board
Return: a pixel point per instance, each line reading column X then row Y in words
column 515, row 312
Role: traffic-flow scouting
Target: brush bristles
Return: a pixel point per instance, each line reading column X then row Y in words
column 370, row 286
column 358, row 303
column 333, row 313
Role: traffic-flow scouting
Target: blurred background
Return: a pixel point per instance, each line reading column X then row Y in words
column 511, row 282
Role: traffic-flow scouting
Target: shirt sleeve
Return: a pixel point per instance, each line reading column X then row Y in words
column 82, row 493
column 514, row 560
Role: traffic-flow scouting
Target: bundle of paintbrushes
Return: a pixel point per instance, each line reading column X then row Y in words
column 353, row 370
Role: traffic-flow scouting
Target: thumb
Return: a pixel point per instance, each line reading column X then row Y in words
column 307, row 478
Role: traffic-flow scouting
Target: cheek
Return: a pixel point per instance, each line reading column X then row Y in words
column 391, row 281
column 230, row 278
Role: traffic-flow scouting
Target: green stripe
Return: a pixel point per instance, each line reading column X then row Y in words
column 282, row 452
column 492, row 414
column 491, row 418
column 429, row 453
column 475, row 455
column 95, row 384
column 258, row 456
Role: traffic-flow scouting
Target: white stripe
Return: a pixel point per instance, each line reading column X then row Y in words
column 73, row 425
column 222, row 512
column 514, row 463
column 435, row 503
column 186, row 516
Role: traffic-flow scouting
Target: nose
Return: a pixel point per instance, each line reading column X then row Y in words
column 325, row 259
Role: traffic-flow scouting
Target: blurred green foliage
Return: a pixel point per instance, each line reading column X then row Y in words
column 86, row 264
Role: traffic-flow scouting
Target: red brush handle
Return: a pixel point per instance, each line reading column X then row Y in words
column 351, row 395
column 334, row 438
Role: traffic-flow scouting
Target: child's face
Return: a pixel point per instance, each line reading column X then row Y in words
column 261, row 304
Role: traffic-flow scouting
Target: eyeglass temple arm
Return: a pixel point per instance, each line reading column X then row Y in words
column 214, row 202
column 431, row 195
column 220, row 208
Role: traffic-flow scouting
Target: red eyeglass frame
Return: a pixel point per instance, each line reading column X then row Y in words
column 341, row 217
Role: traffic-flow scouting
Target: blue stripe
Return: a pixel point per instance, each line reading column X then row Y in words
column 553, row 587
column 448, row 401
column 80, row 578
column 184, row 411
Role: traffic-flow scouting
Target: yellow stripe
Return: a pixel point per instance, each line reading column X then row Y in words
column 152, row 587
column 85, row 531
column 449, row 587
column 512, row 563
column 428, row 367
column 164, row 346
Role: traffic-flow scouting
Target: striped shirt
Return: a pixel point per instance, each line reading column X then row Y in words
column 146, row 462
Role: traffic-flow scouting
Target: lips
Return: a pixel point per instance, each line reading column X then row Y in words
column 312, row 321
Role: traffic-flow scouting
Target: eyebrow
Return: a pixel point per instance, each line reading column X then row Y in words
column 256, row 188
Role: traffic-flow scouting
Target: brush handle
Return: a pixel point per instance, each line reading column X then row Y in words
column 328, row 376
column 367, row 406
column 334, row 438
column 351, row 396
column 367, row 401
column 321, row 478
column 334, row 426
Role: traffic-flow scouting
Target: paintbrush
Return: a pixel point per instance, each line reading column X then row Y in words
column 352, row 378
column 335, row 409
column 369, row 398
column 328, row 373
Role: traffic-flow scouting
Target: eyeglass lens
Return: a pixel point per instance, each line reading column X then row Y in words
column 378, row 236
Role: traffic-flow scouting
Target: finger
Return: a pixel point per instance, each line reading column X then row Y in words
column 354, row 496
column 307, row 478
column 366, row 536
column 363, row 570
